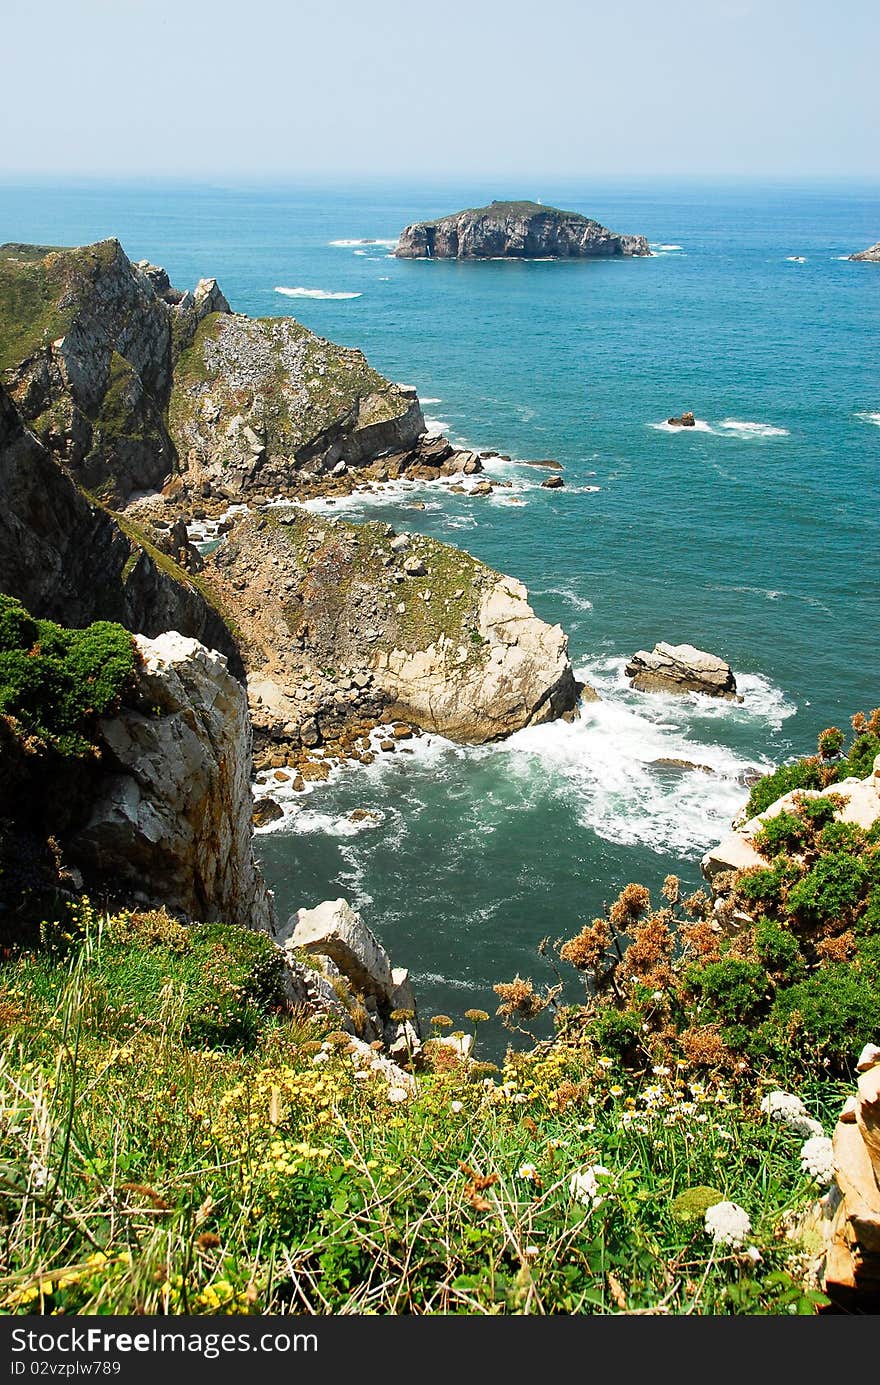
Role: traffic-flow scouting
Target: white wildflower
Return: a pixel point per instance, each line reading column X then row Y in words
column 456, row 1107
column 789, row 1110
column 754, row 1255
column 728, row 1224
column 817, row 1158
column 528, row 1172
column 397, row 1094
column 531, row 1252
column 660, row 1071
column 319, row 1058
column 584, row 1186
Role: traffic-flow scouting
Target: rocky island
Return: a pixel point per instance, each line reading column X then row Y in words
column 515, row 230
column 871, row 255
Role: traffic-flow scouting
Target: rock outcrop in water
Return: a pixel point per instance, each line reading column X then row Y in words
column 680, row 668
column 127, row 379
column 522, row 230
column 426, row 632
column 872, row 254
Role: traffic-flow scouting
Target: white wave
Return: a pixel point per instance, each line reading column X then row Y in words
column 700, row 426
column 583, row 490
column 426, row 400
column 580, row 603
column 658, row 245
column 603, row 767
column 349, row 244
column 869, row 417
column 796, row 259
column 752, row 430
column 313, row 293
column 436, row 426
column 360, row 252
column 434, row 978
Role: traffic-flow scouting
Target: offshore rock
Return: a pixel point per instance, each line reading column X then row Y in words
column 521, row 230
column 680, row 668
column 872, row 254
column 172, row 826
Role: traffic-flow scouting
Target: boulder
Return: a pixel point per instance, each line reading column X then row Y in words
column 553, row 483
column 516, row 672
column 333, row 929
column 681, row 668
column 685, row 420
column 871, row 255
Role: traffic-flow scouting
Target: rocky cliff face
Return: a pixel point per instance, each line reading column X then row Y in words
column 429, row 633
column 98, row 353
column 872, row 254
column 515, row 229
column 257, row 403
column 67, row 559
column 170, row 822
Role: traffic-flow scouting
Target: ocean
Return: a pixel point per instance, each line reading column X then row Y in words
column 754, row 535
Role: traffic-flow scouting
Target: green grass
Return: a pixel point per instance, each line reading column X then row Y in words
column 35, row 281
column 148, row 1165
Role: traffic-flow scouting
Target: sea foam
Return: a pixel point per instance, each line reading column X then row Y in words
column 313, row 293
column 752, row 430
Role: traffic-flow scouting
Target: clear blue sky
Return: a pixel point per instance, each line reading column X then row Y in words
column 327, row 87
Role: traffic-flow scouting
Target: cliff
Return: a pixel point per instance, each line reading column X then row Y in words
column 127, row 379
column 525, row 230
column 68, row 559
column 872, row 254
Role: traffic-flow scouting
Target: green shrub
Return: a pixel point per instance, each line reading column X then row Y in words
column 733, row 989
column 18, row 630
column 778, row 950
column 249, row 964
column 861, row 757
column 824, row 1018
column 783, row 832
column 830, row 891
column 819, row 811
column 54, row 682
column 617, row 1032
column 842, row 836
column 801, row 774
column 765, row 886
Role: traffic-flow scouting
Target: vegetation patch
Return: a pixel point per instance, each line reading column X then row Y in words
column 54, row 682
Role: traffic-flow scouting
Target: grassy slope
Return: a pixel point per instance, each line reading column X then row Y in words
column 176, row 1142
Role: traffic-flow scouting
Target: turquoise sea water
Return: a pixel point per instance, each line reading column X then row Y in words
column 754, row 535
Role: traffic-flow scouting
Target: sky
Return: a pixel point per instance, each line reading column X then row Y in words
column 378, row 88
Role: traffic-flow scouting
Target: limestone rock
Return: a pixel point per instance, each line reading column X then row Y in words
column 173, row 826
column 681, row 669
column 521, row 230
column 518, row 674
column 333, row 929
column 872, row 254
